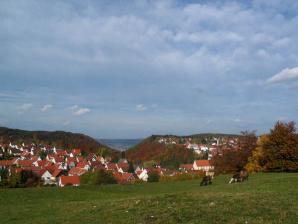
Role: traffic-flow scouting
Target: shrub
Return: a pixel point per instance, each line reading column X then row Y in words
column 87, row 178
column 98, row 177
column 104, row 177
column 153, row 177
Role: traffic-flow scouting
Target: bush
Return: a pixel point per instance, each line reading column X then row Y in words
column 153, row 177
column 87, row 178
column 14, row 180
column 25, row 178
column 104, row 177
column 98, row 177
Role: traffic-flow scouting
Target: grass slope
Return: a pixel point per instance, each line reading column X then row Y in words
column 265, row 198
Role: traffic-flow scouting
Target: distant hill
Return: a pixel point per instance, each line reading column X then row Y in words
column 120, row 144
column 173, row 154
column 170, row 156
column 198, row 136
column 65, row 140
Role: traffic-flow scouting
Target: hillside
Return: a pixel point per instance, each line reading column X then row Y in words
column 174, row 154
column 264, row 198
column 200, row 135
column 198, row 138
column 60, row 139
column 169, row 156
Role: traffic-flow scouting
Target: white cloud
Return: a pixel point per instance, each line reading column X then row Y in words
column 46, row 107
column 141, row 107
column 284, row 75
column 81, row 111
column 169, row 47
column 74, row 107
column 24, row 108
column 78, row 110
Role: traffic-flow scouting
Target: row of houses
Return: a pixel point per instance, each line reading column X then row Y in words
column 61, row 167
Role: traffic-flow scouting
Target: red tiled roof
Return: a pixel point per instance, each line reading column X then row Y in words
column 24, row 163
column 44, row 163
column 40, row 172
column 6, row 162
column 186, row 166
column 76, row 171
column 90, row 156
column 70, row 160
column 203, row 163
column 34, row 158
column 72, row 180
column 112, row 166
column 80, row 159
column 61, row 153
column 56, row 172
column 51, row 168
column 76, row 151
column 123, row 166
column 123, row 177
column 59, row 159
column 97, row 164
column 82, row 164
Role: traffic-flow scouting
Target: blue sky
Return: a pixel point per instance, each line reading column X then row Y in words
column 129, row 69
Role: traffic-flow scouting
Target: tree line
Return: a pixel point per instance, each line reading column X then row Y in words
column 273, row 152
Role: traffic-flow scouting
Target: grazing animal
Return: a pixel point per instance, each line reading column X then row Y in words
column 243, row 175
column 235, row 178
column 206, row 181
column 239, row 177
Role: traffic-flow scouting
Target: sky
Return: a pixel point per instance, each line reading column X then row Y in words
column 129, row 69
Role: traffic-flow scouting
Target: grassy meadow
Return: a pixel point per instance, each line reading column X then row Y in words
column 265, row 198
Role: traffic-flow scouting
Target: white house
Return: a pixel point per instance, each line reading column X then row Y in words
column 142, row 175
column 46, row 177
column 203, row 165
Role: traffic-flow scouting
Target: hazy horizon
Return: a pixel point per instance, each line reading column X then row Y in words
column 116, row 69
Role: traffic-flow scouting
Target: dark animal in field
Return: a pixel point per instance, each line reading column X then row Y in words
column 235, row 178
column 243, row 175
column 206, row 181
column 239, row 177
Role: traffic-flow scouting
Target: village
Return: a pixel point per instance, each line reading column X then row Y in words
column 60, row 167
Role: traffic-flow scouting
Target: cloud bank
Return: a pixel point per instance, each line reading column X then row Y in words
column 284, row 75
column 204, row 63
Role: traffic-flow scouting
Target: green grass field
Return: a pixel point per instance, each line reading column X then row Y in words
column 265, row 198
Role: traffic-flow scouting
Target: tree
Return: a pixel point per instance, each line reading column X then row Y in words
column 256, row 161
column 234, row 158
column 14, row 180
column 122, row 154
column 3, row 176
column 153, row 177
column 104, row 177
column 42, row 155
column 281, row 149
column 131, row 168
column 6, row 156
